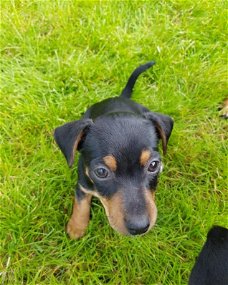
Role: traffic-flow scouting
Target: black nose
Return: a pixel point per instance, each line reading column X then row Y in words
column 138, row 227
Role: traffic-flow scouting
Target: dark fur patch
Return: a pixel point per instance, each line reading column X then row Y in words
column 211, row 267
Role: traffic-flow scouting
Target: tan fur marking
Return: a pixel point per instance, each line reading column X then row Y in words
column 87, row 174
column 75, row 147
column 163, row 137
column 90, row 192
column 151, row 207
column 87, row 171
column 79, row 220
column 224, row 109
column 110, row 161
column 115, row 212
column 145, row 156
column 113, row 209
column 153, row 195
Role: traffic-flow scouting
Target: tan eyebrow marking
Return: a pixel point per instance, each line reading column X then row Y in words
column 144, row 157
column 110, row 161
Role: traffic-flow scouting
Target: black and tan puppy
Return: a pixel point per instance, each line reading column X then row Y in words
column 119, row 161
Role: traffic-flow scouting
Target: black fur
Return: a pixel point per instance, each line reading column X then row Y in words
column 127, row 91
column 211, row 267
column 66, row 137
column 123, row 129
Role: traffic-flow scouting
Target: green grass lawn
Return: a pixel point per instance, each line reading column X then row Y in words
column 58, row 58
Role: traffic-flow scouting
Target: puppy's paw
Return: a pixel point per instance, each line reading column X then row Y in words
column 74, row 231
column 223, row 109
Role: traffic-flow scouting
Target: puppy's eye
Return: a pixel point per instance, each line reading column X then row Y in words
column 153, row 166
column 101, row 172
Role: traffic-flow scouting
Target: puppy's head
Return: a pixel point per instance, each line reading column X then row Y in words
column 119, row 164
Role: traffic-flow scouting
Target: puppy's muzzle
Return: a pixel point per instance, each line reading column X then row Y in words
column 137, row 225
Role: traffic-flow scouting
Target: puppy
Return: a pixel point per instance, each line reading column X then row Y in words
column 211, row 267
column 119, row 161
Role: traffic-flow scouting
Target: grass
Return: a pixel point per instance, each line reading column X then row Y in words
column 58, row 58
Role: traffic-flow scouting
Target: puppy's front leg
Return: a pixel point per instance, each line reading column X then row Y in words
column 79, row 220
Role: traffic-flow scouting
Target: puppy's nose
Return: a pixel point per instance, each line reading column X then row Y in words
column 139, row 226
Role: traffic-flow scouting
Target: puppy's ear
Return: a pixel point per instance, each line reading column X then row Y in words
column 68, row 137
column 163, row 125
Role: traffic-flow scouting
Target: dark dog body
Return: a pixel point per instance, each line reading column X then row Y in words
column 211, row 267
column 119, row 162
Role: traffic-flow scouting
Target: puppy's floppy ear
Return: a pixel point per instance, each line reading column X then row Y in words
column 68, row 137
column 163, row 125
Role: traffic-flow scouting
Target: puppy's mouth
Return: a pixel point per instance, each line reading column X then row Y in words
column 137, row 228
column 123, row 222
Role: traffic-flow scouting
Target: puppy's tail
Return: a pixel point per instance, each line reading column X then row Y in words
column 126, row 93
